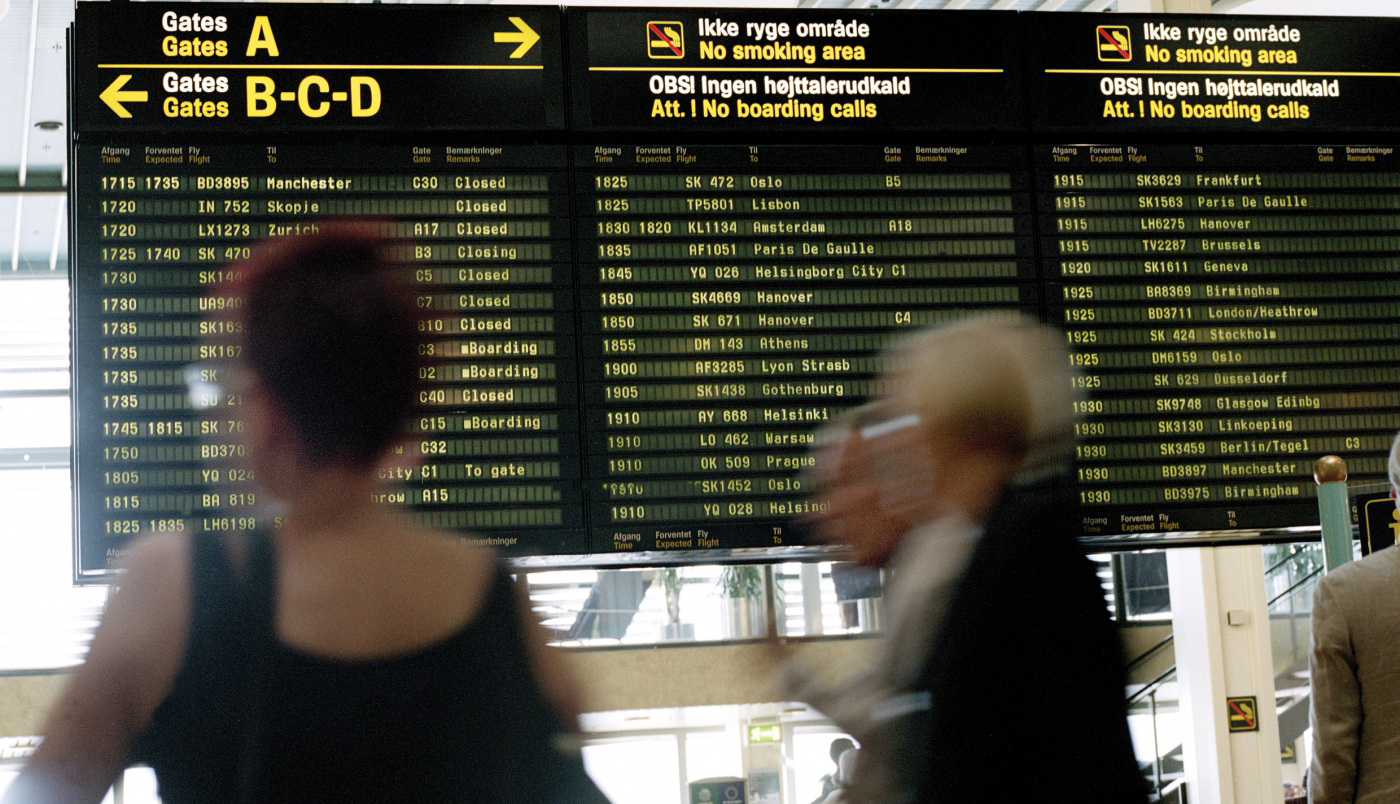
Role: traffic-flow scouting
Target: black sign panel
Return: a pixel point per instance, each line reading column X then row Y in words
column 1378, row 519
column 496, row 448
column 283, row 67
column 1125, row 75
column 757, row 71
column 645, row 318
column 733, row 299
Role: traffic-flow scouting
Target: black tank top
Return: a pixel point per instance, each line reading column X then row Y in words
column 461, row 720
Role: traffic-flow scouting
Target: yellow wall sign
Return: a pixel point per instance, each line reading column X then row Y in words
column 162, row 68
column 1243, row 713
column 665, row 40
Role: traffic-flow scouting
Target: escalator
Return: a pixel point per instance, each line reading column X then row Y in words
column 1153, row 699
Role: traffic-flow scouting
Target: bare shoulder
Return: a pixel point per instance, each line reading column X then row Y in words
column 147, row 618
column 155, row 556
column 135, row 654
column 458, row 556
column 451, row 569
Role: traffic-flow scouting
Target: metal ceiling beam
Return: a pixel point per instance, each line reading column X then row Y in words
column 28, row 112
column 57, row 246
column 26, row 122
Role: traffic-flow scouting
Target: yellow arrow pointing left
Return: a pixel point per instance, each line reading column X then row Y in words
column 526, row 36
column 114, row 96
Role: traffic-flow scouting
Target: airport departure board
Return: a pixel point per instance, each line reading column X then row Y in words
column 1232, row 306
column 1235, row 316
column 484, row 232
column 658, row 265
column 733, row 299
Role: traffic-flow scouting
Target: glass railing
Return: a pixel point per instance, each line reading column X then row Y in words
column 1154, row 718
column 705, row 603
column 1289, row 584
column 713, row 602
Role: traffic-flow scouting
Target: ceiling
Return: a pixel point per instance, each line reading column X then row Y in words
column 33, row 54
column 34, row 127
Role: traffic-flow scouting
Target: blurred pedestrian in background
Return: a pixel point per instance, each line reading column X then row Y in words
column 832, row 781
column 999, row 647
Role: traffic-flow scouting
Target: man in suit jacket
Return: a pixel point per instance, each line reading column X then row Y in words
column 1001, row 677
column 1355, row 707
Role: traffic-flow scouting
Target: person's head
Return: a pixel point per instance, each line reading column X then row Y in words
column 328, row 332
column 840, row 746
column 964, row 408
column 845, row 496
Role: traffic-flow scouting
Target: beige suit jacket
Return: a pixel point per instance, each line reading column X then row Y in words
column 1356, row 682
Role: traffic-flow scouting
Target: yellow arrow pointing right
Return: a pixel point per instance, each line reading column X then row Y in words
column 526, row 36
column 114, row 96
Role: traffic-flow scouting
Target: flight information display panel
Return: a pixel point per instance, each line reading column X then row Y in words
column 1235, row 314
column 484, row 232
column 648, row 299
column 733, row 299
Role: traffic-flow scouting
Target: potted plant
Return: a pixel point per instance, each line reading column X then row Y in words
column 741, row 601
column 671, row 583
